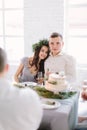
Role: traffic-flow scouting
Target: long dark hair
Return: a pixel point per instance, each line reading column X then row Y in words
column 36, row 55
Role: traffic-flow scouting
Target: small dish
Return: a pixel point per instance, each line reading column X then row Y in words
column 25, row 84
column 50, row 104
column 28, row 84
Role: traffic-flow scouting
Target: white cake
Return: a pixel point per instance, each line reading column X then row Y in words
column 56, row 82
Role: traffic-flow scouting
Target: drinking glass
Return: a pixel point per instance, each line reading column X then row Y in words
column 40, row 78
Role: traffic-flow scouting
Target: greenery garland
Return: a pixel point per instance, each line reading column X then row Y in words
column 39, row 44
column 48, row 94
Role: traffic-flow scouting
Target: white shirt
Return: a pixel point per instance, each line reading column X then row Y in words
column 62, row 62
column 20, row 109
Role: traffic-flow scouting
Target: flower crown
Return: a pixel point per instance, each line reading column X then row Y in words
column 39, row 44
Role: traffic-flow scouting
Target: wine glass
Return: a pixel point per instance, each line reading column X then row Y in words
column 40, row 78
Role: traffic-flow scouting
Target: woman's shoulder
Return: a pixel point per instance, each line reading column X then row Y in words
column 24, row 59
column 30, row 58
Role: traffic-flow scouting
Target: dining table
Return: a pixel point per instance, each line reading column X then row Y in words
column 62, row 118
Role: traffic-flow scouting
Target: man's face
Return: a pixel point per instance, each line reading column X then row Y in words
column 56, row 45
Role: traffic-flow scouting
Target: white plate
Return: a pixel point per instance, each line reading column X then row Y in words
column 25, row 84
column 54, row 106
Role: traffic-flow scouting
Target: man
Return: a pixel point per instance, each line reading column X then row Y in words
column 20, row 109
column 59, row 61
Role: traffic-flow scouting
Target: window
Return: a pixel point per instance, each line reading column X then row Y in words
column 12, row 28
column 77, row 29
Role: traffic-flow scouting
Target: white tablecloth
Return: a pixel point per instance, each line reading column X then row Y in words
column 63, row 118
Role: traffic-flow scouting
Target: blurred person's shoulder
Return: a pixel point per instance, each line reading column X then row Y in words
column 21, row 97
column 8, row 87
column 5, row 84
column 20, row 102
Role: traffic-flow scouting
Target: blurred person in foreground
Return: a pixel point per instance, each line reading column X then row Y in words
column 20, row 109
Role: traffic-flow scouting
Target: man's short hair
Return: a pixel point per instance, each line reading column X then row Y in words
column 3, row 59
column 55, row 34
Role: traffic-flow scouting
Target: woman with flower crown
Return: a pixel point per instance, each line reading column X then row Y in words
column 30, row 66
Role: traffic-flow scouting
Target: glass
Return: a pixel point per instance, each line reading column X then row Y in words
column 40, row 78
column 14, row 48
column 14, row 3
column 1, row 23
column 14, row 23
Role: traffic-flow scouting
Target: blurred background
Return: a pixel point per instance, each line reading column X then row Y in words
column 24, row 22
